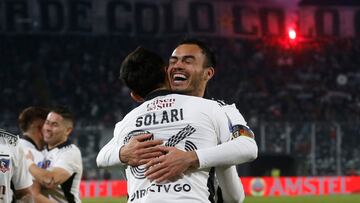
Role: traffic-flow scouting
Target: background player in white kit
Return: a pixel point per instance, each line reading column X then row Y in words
column 13, row 169
column 31, row 121
column 63, row 164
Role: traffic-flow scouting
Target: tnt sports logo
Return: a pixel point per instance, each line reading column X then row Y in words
column 257, row 187
column 158, row 104
column 4, row 165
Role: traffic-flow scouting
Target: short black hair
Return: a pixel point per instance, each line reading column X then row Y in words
column 64, row 112
column 143, row 71
column 210, row 59
column 31, row 114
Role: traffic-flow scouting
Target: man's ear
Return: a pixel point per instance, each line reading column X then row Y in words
column 209, row 73
column 136, row 97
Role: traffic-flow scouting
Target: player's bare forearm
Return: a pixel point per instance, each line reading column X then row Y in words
column 172, row 165
column 39, row 198
column 42, row 176
column 36, row 192
column 24, row 196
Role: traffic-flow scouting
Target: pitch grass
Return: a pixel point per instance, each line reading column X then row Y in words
column 297, row 199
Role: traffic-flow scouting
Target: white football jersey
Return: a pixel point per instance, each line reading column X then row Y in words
column 12, row 166
column 66, row 156
column 185, row 122
column 28, row 145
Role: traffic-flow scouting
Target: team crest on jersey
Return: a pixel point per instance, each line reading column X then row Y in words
column 44, row 164
column 4, row 165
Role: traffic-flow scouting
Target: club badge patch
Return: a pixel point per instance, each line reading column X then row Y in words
column 4, row 165
column 240, row 130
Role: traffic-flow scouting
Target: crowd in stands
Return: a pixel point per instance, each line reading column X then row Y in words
column 271, row 83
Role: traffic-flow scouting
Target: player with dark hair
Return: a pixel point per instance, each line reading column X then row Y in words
column 13, row 170
column 31, row 121
column 145, row 66
column 63, row 168
column 191, row 66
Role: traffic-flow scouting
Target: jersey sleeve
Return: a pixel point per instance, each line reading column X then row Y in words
column 239, row 150
column 230, row 184
column 234, row 115
column 21, row 178
column 70, row 160
column 109, row 154
column 223, row 126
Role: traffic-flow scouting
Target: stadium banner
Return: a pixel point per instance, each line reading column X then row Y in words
column 254, row 186
column 243, row 19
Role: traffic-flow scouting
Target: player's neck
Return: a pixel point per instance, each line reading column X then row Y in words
column 36, row 139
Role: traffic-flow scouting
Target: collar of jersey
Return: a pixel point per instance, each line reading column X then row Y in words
column 64, row 144
column 157, row 93
column 27, row 138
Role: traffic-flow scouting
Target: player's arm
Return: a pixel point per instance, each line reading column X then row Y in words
column 237, row 151
column 36, row 192
column 36, row 186
column 109, row 154
column 240, row 149
column 61, row 169
column 49, row 178
column 22, row 179
column 136, row 152
column 176, row 161
column 24, row 195
column 231, row 187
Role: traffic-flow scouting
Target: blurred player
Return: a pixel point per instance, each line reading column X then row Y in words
column 31, row 121
column 13, row 170
column 63, row 164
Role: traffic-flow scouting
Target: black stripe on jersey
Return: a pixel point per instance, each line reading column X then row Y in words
column 12, row 187
column 67, row 143
column 221, row 102
column 5, row 155
column 182, row 134
column 138, row 172
column 210, row 184
column 219, row 195
column 29, row 139
column 66, row 187
column 190, row 146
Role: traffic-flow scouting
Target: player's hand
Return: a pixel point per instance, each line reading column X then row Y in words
column 170, row 166
column 138, row 151
column 49, row 183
